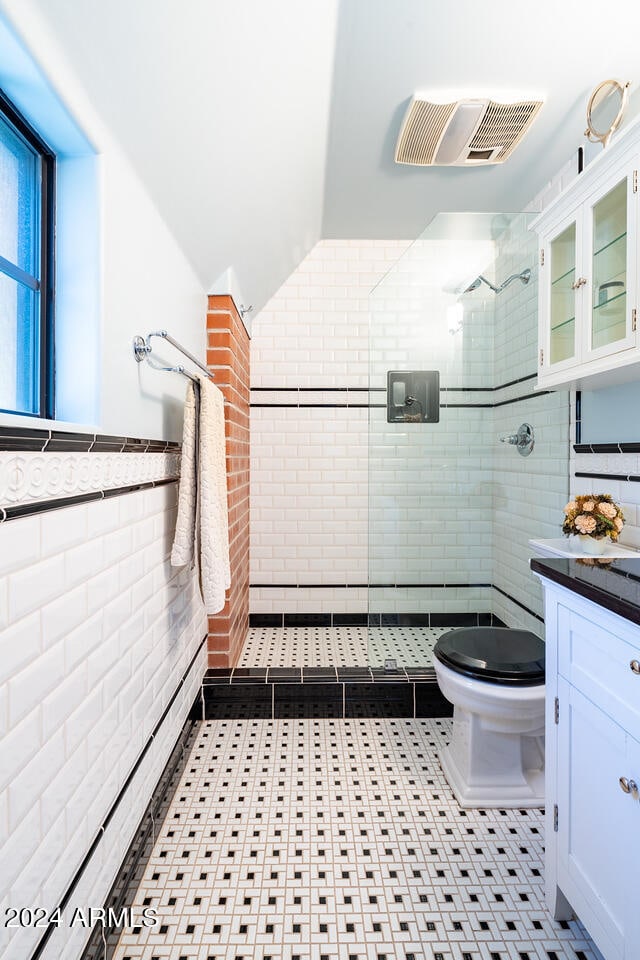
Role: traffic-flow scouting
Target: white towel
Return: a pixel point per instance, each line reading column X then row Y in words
column 202, row 526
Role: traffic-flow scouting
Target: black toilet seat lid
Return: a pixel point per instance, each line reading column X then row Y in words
column 496, row 654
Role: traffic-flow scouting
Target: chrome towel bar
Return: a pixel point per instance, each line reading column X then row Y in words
column 142, row 351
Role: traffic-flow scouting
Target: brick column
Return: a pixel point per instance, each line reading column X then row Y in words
column 228, row 360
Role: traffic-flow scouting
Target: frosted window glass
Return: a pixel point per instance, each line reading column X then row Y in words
column 19, row 200
column 19, row 356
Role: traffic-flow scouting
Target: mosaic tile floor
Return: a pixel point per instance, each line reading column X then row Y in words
column 339, row 646
column 340, row 840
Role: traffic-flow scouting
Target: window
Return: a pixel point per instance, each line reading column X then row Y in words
column 27, row 172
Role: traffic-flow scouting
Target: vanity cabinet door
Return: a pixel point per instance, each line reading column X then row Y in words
column 598, row 841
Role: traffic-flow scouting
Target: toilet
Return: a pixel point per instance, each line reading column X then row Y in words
column 494, row 677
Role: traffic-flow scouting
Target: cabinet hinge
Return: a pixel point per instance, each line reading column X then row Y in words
column 542, row 256
column 556, row 710
column 634, row 319
column 555, row 818
column 541, row 358
column 635, row 181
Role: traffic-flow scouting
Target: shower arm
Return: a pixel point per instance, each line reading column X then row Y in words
column 524, row 276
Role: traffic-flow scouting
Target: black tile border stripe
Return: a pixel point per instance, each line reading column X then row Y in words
column 347, row 389
column 370, row 586
column 381, row 406
column 60, row 503
column 294, row 405
column 389, row 619
column 38, row 440
column 518, row 603
column 630, row 477
column 621, row 447
column 114, row 806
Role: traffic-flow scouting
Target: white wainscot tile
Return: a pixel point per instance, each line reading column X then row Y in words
column 63, row 700
column 62, row 529
column 83, row 562
column 20, row 645
column 19, row 746
column 82, row 720
column 27, row 888
column 19, row 543
column 63, row 615
column 29, row 687
column 19, row 848
column 103, row 517
column 32, row 781
column 34, row 586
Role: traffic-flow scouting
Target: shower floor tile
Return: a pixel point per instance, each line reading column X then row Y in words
column 340, row 840
column 339, row 646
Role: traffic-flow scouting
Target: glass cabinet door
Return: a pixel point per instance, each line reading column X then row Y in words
column 562, row 308
column 608, row 319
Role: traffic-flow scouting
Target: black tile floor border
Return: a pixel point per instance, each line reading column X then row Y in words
column 374, row 620
column 358, row 692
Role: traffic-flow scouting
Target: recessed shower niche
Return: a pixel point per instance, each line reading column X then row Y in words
column 413, row 396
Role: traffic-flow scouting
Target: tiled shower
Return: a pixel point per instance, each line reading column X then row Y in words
column 413, row 524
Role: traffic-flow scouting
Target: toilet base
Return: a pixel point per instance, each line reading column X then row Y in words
column 488, row 767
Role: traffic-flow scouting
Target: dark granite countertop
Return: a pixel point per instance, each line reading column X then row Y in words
column 612, row 584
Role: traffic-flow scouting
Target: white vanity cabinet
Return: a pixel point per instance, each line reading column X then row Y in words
column 592, row 863
column 588, row 267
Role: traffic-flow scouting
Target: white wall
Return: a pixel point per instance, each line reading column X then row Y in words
column 141, row 280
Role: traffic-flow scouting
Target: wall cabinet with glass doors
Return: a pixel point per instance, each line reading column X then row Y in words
column 589, row 249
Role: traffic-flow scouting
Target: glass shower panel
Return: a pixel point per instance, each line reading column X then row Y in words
column 430, row 483
column 431, row 503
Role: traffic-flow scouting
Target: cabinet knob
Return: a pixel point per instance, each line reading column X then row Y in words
column 635, row 666
column 628, row 786
column 580, row 282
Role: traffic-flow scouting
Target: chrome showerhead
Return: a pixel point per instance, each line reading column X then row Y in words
column 524, row 277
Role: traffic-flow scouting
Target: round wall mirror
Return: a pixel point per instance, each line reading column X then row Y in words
column 605, row 110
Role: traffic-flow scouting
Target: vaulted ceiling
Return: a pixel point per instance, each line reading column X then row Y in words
column 260, row 126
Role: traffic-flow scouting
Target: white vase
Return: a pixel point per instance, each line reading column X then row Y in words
column 593, row 546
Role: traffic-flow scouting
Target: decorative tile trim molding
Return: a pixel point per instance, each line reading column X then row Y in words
column 36, row 440
column 29, row 477
column 45, row 506
column 606, row 447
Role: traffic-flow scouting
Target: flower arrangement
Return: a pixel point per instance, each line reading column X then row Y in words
column 594, row 515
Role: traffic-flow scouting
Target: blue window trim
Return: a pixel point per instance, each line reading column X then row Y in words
column 47, row 262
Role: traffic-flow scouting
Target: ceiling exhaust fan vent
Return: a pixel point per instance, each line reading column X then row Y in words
column 472, row 132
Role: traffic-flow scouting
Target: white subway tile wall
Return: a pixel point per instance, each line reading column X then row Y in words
column 309, row 467
column 528, row 492
column 97, row 631
column 625, row 492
